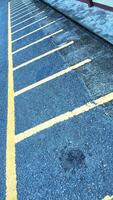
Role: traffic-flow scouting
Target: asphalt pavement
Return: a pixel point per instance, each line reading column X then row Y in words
column 57, row 138
column 95, row 19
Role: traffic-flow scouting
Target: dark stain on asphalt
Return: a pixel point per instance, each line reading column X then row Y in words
column 72, row 159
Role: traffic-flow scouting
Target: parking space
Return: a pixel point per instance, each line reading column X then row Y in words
column 59, row 133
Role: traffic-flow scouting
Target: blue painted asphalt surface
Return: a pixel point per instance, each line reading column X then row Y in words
column 73, row 159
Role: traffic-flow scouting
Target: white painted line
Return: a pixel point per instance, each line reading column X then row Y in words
column 29, row 25
column 52, row 77
column 21, row 13
column 25, row 8
column 27, row 19
column 42, row 27
column 20, row 7
column 38, row 41
column 43, row 55
column 31, row 12
column 17, row 6
column 13, row 3
column 63, row 117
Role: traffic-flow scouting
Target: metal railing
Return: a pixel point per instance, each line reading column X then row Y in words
column 90, row 3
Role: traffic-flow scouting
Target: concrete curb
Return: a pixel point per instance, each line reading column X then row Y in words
column 76, row 21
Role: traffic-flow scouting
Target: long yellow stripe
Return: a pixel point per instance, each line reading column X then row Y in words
column 63, row 117
column 108, row 197
column 11, row 192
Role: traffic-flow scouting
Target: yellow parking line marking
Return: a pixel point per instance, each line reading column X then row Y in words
column 27, row 19
column 24, row 15
column 38, row 41
column 36, row 21
column 38, row 29
column 108, row 197
column 25, row 8
column 21, row 13
column 43, row 55
column 63, row 117
column 11, row 192
column 52, row 77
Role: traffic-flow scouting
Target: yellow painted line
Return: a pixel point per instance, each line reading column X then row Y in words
column 52, row 77
column 38, row 29
column 43, row 55
column 11, row 192
column 20, row 10
column 63, row 117
column 36, row 21
column 108, row 197
column 24, row 15
column 21, row 13
column 27, row 19
column 38, row 41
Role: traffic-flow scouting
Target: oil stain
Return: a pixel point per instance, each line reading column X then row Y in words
column 72, row 159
